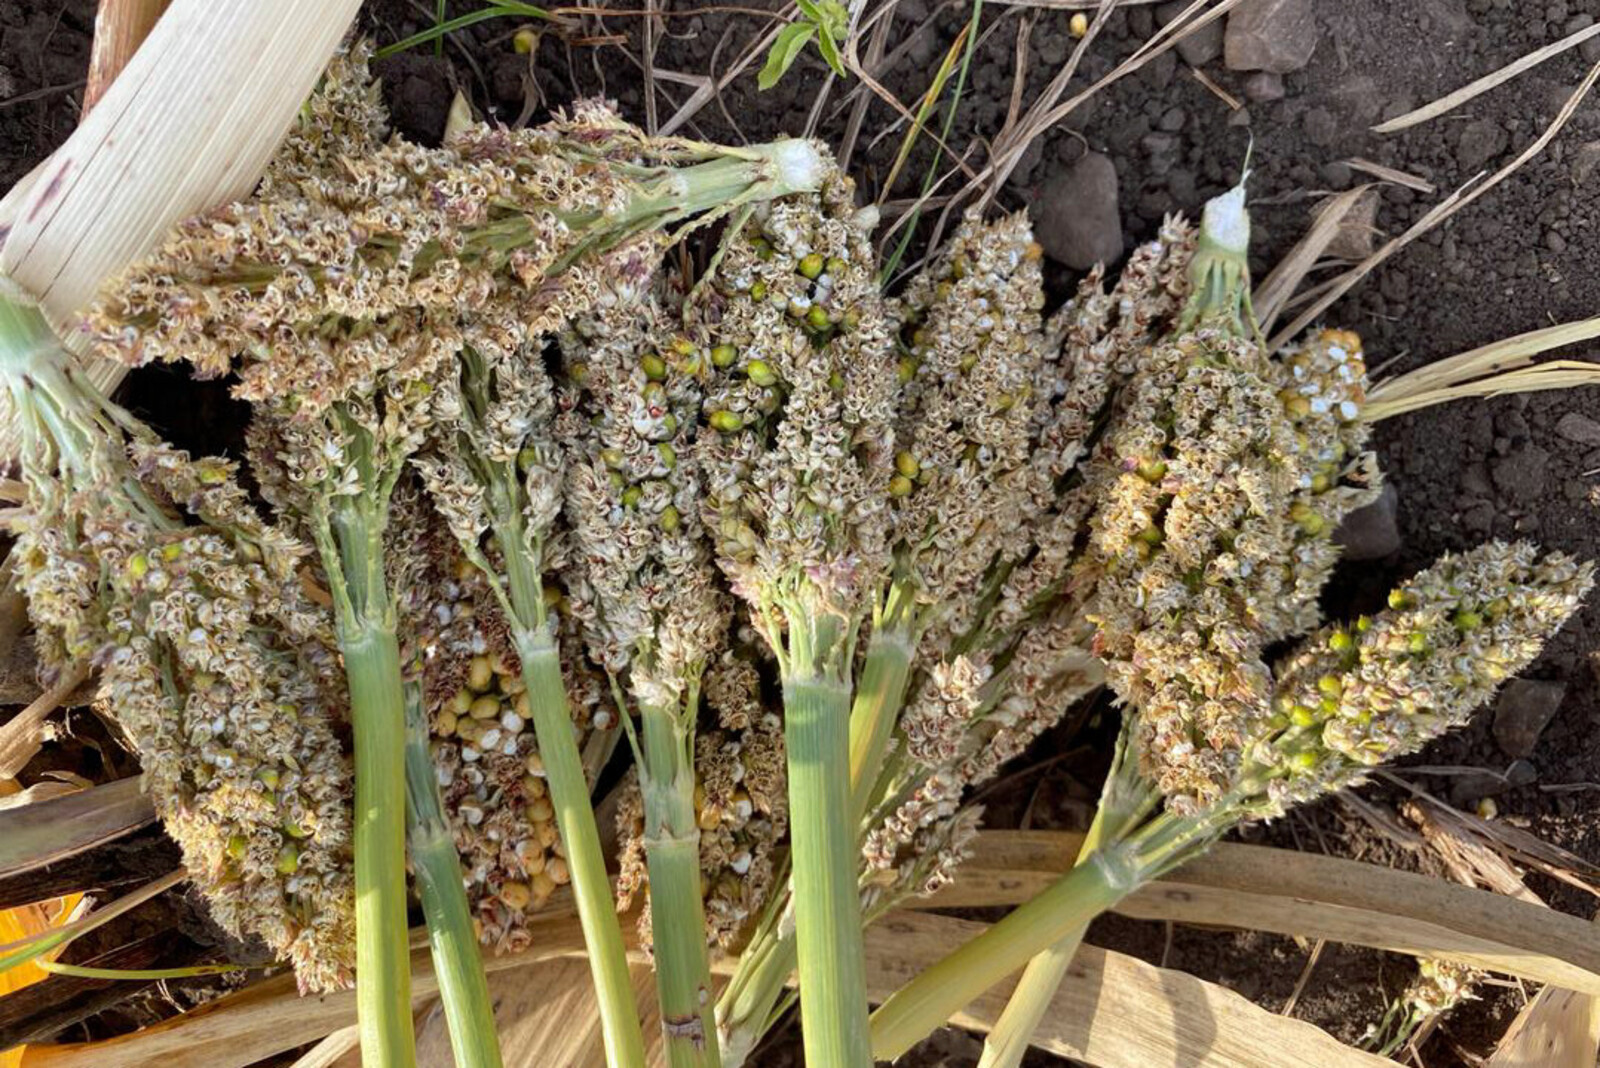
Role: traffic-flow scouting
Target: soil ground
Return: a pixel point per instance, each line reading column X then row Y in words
column 1516, row 260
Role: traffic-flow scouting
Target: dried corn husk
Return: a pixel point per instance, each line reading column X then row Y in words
column 189, row 123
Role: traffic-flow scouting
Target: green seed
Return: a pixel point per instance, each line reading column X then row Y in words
column 578, row 372
column 907, row 370
column 724, row 355
column 238, row 846
column 1151, row 535
column 817, row 317
column 907, row 464
column 1399, row 599
column 1330, row 685
column 1301, row 716
column 267, row 777
column 968, row 362
column 836, row 266
column 612, row 457
column 654, row 366
column 632, row 496
column 761, row 373
column 171, row 551
column 1340, row 641
column 1305, row 760
column 1152, row 471
column 758, row 290
column 836, row 382
column 1417, row 642
column 812, row 264
column 670, row 519
column 288, row 859
column 667, row 454
column 849, row 320
column 1467, row 620
column 683, row 346
column 527, row 457
column 725, row 421
column 900, row 486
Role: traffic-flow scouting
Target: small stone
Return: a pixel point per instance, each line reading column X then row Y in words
column 1198, row 47
column 1271, row 35
column 1578, row 428
column 1479, row 519
column 1336, row 173
column 1263, row 87
column 1078, row 216
column 1522, row 712
column 1359, row 229
column 1320, row 126
column 1172, row 121
column 1371, row 533
column 1480, row 141
column 1521, row 475
column 1584, row 160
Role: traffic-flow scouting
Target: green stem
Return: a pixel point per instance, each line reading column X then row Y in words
column 880, row 695
column 749, row 1001
column 827, row 901
column 927, row 1002
column 569, row 794
column 1008, row 1042
column 463, row 987
column 677, row 909
column 383, row 956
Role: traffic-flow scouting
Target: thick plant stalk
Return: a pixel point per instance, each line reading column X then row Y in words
column 351, row 545
column 535, row 643
column 463, row 987
column 833, row 999
column 677, row 909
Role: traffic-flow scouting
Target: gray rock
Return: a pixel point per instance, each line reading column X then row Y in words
column 1359, row 230
column 1522, row 712
column 1272, row 35
column 1480, row 141
column 1197, row 48
column 1485, row 783
column 1578, row 428
column 1078, row 220
column 1371, row 533
column 1584, row 161
column 1521, row 475
column 1263, row 87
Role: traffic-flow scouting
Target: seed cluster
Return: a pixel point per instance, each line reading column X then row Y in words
column 220, row 671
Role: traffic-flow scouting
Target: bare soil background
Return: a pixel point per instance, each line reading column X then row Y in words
column 1516, row 260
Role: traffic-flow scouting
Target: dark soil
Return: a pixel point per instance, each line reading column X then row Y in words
column 1516, row 260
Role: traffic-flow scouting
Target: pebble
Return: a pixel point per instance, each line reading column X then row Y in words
column 1523, row 711
column 1481, row 140
column 1172, row 121
column 1271, row 35
column 1198, row 47
column 1078, row 215
column 1371, row 533
column 1578, row 428
column 1263, row 87
column 1320, row 126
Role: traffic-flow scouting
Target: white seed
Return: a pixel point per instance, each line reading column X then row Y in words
column 511, row 722
column 469, row 754
column 489, row 739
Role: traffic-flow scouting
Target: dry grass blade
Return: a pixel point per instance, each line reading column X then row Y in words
column 1303, row 895
column 1557, row 1029
column 1557, row 374
column 120, row 27
column 1489, row 363
column 1451, row 101
column 1339, row 286
column 1273, row 294
column 189, row 123
column 1115, row 1011
column 333, row 1051
column 23, row 734
column 1389, row 174
column 28, row 948
column 40, row 834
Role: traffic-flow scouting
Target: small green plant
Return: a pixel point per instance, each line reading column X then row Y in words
column 826, row 20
